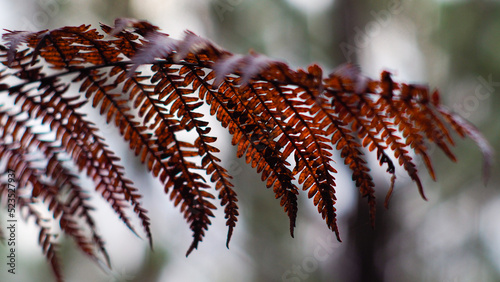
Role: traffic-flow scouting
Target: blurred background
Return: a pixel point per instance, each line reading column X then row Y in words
column 454, row 236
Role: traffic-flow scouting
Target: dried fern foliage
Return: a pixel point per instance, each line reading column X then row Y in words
column 271, row 111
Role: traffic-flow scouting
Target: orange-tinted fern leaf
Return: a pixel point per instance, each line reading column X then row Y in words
column 295, row 109
column 329, row 123
column 114, row 107
column 209, row 161
column 400, row 152
column 56, row 47
column 353, row 158
column 284, row 122
column 354, row 108
column 308, row 145
column 164, row 154
column 417, row 103
column 254, row 137
column 396, row 110
column 196, row 208
column 204, row 51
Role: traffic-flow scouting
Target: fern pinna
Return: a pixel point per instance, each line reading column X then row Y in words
column 271, row 111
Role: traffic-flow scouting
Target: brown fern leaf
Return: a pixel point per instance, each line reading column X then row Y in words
column 61, row 178
column 309, row 145
column 15, row 155
column 50, row 194
column 255, row 142
column 71, row 209
column 284, row 122
column 369, row 122
column 45, row 237
column 92, row 155
column 342, row 137
column 154, row 112
column 197, row 209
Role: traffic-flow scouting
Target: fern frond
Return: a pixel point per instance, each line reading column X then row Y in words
column 52, row 194
column 284, row 122
column 46, row 238
column 15, row 155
